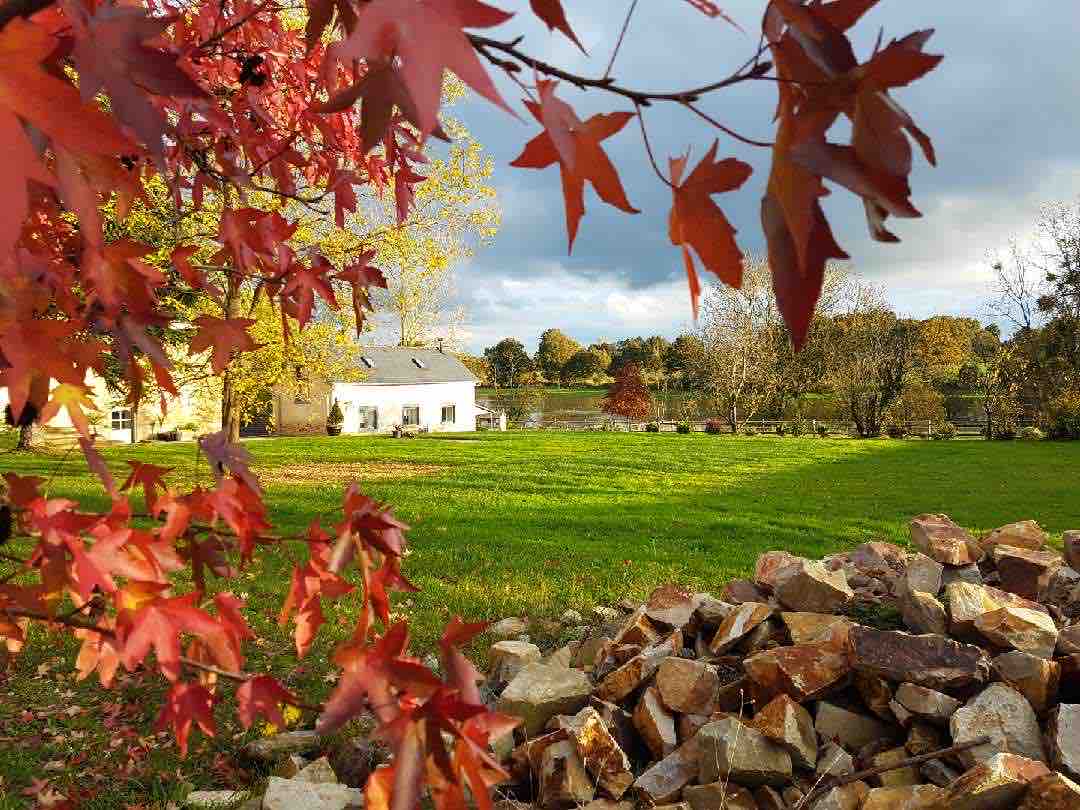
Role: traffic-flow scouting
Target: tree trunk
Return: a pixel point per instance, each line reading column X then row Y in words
column 230, row 412
column 26, row 438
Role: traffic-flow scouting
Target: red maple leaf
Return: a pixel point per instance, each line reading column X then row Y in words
column 262, row 696
column 575, row 146
column 302, row 285
column 696, row 221
column 149, row 476
column 424, row 38
column 553, row 16
column 187, row 705
column 222, row 336
column 22, row 490
column 158, row 624
column 224, row 455
column 72, row 398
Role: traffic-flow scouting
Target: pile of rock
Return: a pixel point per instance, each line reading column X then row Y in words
column 878, row 679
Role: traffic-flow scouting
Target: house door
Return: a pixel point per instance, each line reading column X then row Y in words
column 368, row 419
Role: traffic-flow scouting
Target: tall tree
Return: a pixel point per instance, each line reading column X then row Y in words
column 553, row 352
column 585, row 364
column 509, row 363
column 628, row 395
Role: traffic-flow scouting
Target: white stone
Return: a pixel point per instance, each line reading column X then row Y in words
column 290, row 794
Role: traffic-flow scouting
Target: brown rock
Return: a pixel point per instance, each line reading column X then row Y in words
column 509, row 627
column 738, row 591
column 563, row 780
column 1019, row 629
column 664, row 781
column 1022, row 534
column 895, row 777
column 1063, row 735
column 768, row 565
column 788, row 724
column 687, row 686
column 729, row 749
column 268, row 749
column 638, row 629
column 886, row 561
column 1069, row 640
column 996, row 784
column 670, row 607
column 847, row 728
column 760, row 638
column 527, row 758
column 507, row 658
column 710, row 612
column 844, row 797
column 911, row 797
column 607, row 804
column 1003, row 715
column 768, row 799
column 618, row 721
column 687, row 725
column 804, row 672
column 540, row 691
column 923, row 613
column 806, row 585
column 834, row 761
column 967, row 602
column 940, row 538
column 1071, row 541
column 932, row 661
column 814, row 628
column 655, row 724
column 637, row 670
column 876, row 694
column 1025, row 571
column 923, row 574
column 927, row 704
column 1051, row 792
column 1035, row 678
column 719, row 796
column 1059, row 586
column 741, row 621
column 604, row 759
column 938, row 773
column 588, row 653
column 923, row 739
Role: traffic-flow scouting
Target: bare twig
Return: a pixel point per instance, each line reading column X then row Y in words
column 648, row 147
column 622, row 34
column 726, row 130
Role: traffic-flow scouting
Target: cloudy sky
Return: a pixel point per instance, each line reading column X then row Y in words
column 1002, row 109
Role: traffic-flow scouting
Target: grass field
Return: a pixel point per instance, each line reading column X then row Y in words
column 517, row 523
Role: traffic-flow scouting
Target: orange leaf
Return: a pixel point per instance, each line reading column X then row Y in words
column 72, row 398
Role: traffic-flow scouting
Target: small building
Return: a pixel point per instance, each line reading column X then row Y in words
column 421, row 389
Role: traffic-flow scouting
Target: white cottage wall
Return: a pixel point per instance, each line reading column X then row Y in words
column 391, row 400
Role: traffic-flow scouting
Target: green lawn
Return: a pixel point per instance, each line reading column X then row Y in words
column 533, row 523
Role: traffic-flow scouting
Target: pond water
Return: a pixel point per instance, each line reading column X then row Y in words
column 584, row 406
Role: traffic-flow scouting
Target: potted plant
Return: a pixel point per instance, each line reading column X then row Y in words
column 334, row 420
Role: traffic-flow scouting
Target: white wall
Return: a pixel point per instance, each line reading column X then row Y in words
column 389, row 400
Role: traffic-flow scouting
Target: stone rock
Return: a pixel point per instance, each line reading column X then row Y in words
column 923, row 574
column 923, row 613
column 318, row 772
column 618, row 721
column 354, row 759
column 1059, row 586
column 1035, row 678
column 834, row 761
column 847, row 728
column 844, row 797
column 962, row 573
column 510, row 627
column 210, row 799
column 927, row 704
column 711, row 612
column 815, row 628
column 687, row 725
column 728, row 749
column 507, row 658
column 602, row 614
column 687, row 686
column 804, row 672
column 923, row 739
column 911, row 797
column 876, row 694
column 741, row 621
column 806, row 585
column 628, row 604
column 1051, row 792
column 927, row 660
column 967, row 602
column 1022, row 534
column 637, row 670
column 941, row 539
column 768, row 799
column 540, row 691
column 1025, row 571
column 789, row 725
column 267, row 749
column 1064, row 738
column 527, row 759
column 669, row 606
column 760, row 638
column 938, row 773
column 608, row 804
column 719, row 796
column 737, row 591
column 289, row 794
column 588, row 653
column 1071, row 541
column 896, row 777
column 1069, row 640
column 562, row 777
column 768, row 565
column 663, row 782
column 638, row 629
column 1019, row 629
column 655, row 723
column 604, row 759
column 1002, row 714
column 571, row 617
column 901, row 714
column 290, row 766
column 996, row 784
column 885, row 561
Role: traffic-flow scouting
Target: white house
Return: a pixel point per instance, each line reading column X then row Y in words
column 419, row 388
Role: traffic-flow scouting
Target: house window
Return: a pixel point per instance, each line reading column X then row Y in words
column 449, row 414
column 369, row 418
column 120, row 419
column 410, row 415
column 418, row 363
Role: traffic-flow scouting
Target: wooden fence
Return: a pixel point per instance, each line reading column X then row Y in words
column 812, row 427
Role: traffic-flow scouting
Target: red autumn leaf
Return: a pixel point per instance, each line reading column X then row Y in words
column 22, row 489
column 187, row 705
column 223, row 455
column 72, row 398
column 425, row 38
column 158, row 625
column 387, row 578
column 222, row 336
column 553, row 16
column 262, row 696
column 149, row 477
column 302, row 285
column 110, row 55
column 575, row 146
column 710, row 9
column 696, row 221
column 461, row 674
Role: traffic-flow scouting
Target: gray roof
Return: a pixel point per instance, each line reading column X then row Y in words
column 397, row 365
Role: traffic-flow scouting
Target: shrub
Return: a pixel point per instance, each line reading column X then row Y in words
column 780, row 429
column 945, row 431
column 799, row 427
column 822, row 430
column 1030, row 433
column 1064, row 411
column 682, row 427
column 652, row 427
column 750, row 430
column 896, row 430
column 714, row 427
column 1005, row 433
